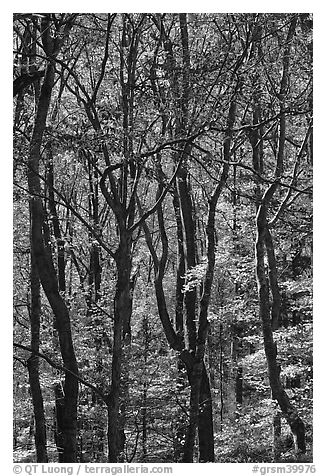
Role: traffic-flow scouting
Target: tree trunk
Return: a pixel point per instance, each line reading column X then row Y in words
column 239, row 385
column 278, row 393
column 181, row 269
column 61, row 278
column 277, row 429
column 181, row 424
column 59, row 419
column 33, row 368
column 273, row 281
column 199, row 374
column 146, row 342
column 46, row 270
column 237, row 370
column 205, row 421
column 55, row 220
column 121, row 335
column 190, row 253
column 195, row 378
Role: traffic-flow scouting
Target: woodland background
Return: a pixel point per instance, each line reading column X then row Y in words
column 162, row 237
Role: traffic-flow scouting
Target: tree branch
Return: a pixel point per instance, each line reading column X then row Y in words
column 160, row 199
column 62, row 368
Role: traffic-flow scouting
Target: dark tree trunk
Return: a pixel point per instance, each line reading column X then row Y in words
column 199, row 382
column 121, row 335
column 49, row 282
column 180, row 281
column 221, row 372
column 146, row 342
column 205, row 420
column 190, row 253
column 124, row 212
column 33, row 368
column 277, row 429
column 273, row 281
column 237, row 368
column 195, row 378
column 197, row 372
column 93, row 313
column 42, row 254
column 183, row 185
column 201, row 412
column 55, row 220
column 181, row 424
column 193, row 357
column 278, row 393
column 61, row 277
column 239, row 385
column 59, row 425
column 264, row 244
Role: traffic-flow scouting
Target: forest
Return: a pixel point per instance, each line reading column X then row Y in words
column 162, row 254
